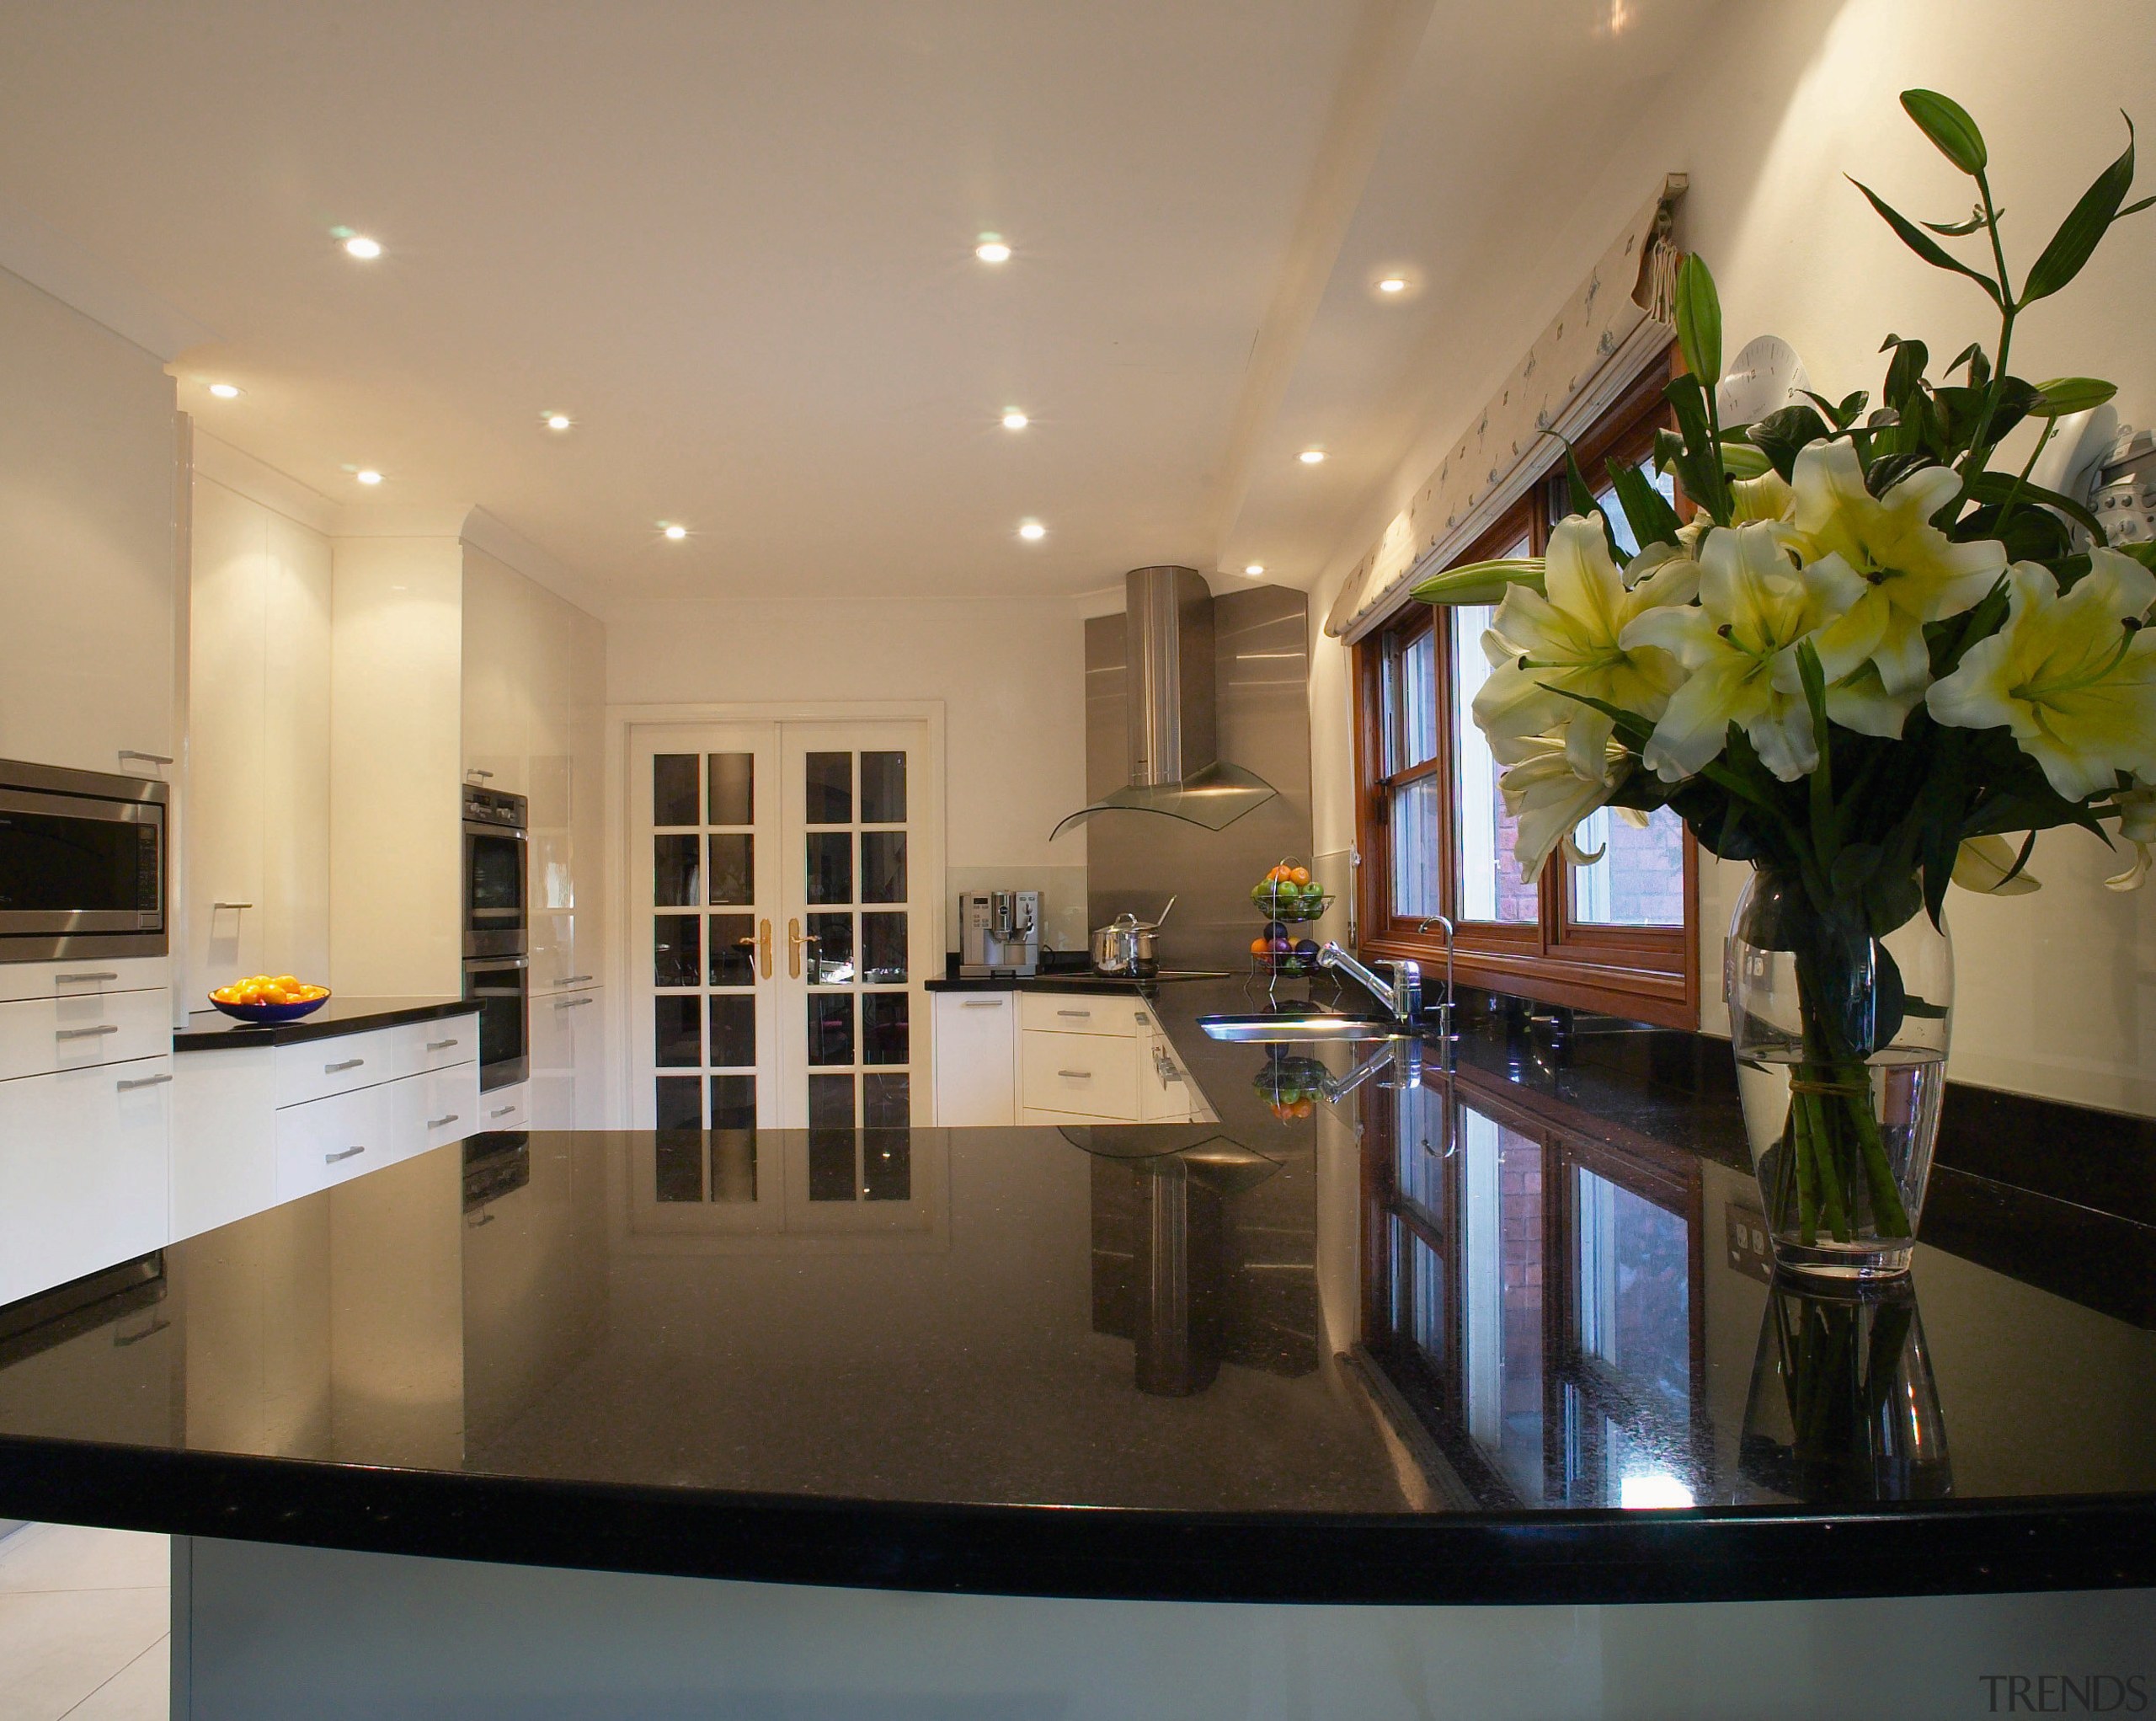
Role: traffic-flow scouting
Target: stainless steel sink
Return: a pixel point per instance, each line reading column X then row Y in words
column 1274, row 1027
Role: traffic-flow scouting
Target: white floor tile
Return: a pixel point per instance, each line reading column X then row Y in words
column 142, row 1691
column 47, row 1557
column 57, row 1647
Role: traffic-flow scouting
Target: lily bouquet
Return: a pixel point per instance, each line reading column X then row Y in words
column 1865, row 663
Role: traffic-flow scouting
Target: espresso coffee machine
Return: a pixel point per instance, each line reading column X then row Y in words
column 999, row 933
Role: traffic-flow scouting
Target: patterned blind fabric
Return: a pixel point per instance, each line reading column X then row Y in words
column 1615, row 320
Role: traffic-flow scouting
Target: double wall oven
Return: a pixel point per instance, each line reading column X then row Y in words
column 81, row 864
column 496, row 967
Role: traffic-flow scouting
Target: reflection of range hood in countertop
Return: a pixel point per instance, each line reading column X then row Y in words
column 1175, row 765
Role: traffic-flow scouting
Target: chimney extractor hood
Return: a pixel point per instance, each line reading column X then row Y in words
column 1175, row 769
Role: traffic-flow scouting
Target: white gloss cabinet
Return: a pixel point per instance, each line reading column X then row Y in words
column 566, row 1089
column 84, row 1168
column 976, row 1041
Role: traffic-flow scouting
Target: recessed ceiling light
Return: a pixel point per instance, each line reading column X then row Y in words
column 1032, row 531
column 676, row 532
column 1015, row 420
column 368, row 475
column 992, row 249
column 225, row 391
column 1255, row 569
column 558, row 421
column 1311, row 457
column 361, row 246
column 1393, row 284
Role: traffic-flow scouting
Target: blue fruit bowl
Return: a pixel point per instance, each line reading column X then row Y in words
column 264, row 1015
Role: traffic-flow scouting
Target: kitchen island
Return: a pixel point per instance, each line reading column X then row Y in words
column 1495, row 1336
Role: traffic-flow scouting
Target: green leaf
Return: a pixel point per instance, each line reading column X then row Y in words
column 1699, row 467
column 1979, row 365
column 1995, row 487
column 1947, row 124
column 1646, row 511
column 1741, row 458
column 2063, row 395
column 1905, row 373
column 2136, row 208
column 1699, row 319
column 1632, row 729
column 1844, row 412
column 2084, row 227
column 1924, row 244
column 1782, row 434
column 1884, row 473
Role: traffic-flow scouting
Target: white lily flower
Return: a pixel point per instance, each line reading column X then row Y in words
column 2074, row 677
column 2137, row 826
column 1740, row 644
column 1982, row 865
column 1767, row 498
column 1915, row 573
column 1547, row 797
column 1568, row 637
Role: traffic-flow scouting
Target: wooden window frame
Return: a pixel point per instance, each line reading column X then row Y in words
column 1649, row 974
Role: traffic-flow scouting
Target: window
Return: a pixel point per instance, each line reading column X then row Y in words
column 1619, row 934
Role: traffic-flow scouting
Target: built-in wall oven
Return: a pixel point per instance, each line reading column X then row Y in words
column 81, row 864
column 497, row 974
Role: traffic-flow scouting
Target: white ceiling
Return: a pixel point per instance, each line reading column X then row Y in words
column 735, row 242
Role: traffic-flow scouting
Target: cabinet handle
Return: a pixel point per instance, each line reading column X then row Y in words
column 506, row 1111
column 1086, row 1013
column 215, row 906
column 337, row 1069
column 485, row 1218
column 332, row 1158
column 1077, row 1075
column 440, row 1123
column 442, row 1044
column 146, row 758
column 576, row 979
column 486, row 775
column 122, row 1341
column 84, row 978
column 86, row 1032
column 142, row 1082
column 572, row 1003
column 982, row 1004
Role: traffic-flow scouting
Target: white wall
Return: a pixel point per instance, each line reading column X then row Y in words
column 1010, row 674
column 2056, row 992
column 87, row 549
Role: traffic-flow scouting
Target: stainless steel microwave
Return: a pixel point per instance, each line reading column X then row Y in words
column 81, row 864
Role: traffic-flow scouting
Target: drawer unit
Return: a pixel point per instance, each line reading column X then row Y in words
column 83, row 1163
column 976, row 1059
column 506, row 1108
column 1165, row 1092
column 1083, row 1013
column 328, row 1141
column 72, row 980
column 315, row 1069
column 1092, row 1074
column 422, row 1046
column 78, row 1031
column 436, row 1109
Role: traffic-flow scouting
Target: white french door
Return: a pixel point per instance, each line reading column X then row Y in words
column 781, row 886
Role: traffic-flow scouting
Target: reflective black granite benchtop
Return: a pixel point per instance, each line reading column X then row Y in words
column 209, row 1030
column 1496, row 1335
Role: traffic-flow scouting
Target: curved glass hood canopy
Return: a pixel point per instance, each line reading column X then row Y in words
column 1175, row 769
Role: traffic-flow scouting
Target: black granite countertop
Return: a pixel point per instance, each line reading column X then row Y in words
column 1491, row 1334
column 208, row 1029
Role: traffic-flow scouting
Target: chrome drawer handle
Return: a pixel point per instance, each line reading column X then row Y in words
column 86, row 1032
column 337, row 1069
column 1077, row 1075
column 332, row 1158
column 141, row 1081
column 1074, row 1012
column 438, row 1123
column 216, row 905
column 572, row 1003
column 146, row 758
column 506, row 1111
column 572, row 979
column 485, row 1218
column 83, row 979
column 440, row 1044
column 983, row 1004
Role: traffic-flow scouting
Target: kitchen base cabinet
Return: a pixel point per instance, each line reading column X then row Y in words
column 83, row 1159
column 567, row 1087
column 976, row 1060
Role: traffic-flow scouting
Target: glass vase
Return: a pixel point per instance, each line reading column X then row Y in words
column 1840, row 1039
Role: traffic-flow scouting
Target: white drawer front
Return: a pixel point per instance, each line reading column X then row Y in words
column 506, row 1108
column 84, row 1159
column 327, row 1141
column 1083, row 1013
column 315, row 1069
column 1092, row 1074
column 88, row 974
column 436, row 1045
column 437, row 1108
column 41, row 1036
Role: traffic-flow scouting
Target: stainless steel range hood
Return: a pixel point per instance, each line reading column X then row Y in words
column 1175, row 769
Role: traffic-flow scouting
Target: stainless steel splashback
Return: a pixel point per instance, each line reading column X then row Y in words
column 1135, row 861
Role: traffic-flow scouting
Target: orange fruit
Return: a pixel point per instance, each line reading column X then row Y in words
column 1300, row 875
column 1258, row 947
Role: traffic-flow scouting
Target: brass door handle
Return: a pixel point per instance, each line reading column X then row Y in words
column 764, row 946
column 793, row 949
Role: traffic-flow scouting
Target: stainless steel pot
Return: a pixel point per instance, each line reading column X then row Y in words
column 1128, row 945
